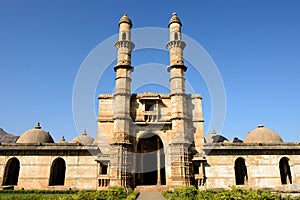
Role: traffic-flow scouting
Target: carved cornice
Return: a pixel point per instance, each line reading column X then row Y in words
column 125, row 44
column 175, row 43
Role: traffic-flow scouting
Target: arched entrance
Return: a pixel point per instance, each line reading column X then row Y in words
column 150, row 161
column 57, row 172
column 285, row 171
column 240, row 171
column 11, row 173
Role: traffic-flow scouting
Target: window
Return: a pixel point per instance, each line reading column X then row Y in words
column 104, row 169
column 175, row 36
column 123, row 36
column 150, row 106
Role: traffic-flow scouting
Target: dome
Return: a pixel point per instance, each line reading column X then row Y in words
column 175, row 19
column 215, row 138
column 62, row 140
column 83, row 139
column 236, row 140
column 35, row 135
column 125, row 19
column 262, row 135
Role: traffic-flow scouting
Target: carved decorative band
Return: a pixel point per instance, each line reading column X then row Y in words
column 122, row 91
column 126, row 77
column 177, row 66
column 129, row 67
column 122, row 118
column 175, row 43
column 182, row 93
column 174, row 77
column 125, row 43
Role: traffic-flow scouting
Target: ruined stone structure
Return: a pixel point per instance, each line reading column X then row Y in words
column 149, row 139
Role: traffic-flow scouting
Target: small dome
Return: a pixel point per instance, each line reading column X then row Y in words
column 35, row 135
column 125, row 19
column 215, row 138
column 62, row 140
column 262, row 135
column 174, row 19
column 236, row 140
column 83, row 139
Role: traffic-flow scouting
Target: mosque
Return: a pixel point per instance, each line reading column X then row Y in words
column 150, row 140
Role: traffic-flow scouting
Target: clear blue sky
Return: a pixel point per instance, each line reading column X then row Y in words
column 254, row 43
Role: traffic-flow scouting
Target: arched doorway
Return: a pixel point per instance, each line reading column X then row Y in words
column 57, row 172
column 150, row 161
column 240, row 169
column 285, row 171
column 11, row 173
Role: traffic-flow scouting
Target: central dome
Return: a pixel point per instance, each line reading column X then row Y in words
column 35, row 135
column 262, row 135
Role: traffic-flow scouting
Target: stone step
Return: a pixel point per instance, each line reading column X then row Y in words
column 152, row 188
column 150, row 196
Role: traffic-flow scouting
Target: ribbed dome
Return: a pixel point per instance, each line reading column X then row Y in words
column 215, row 138
column 35, row 135
column 262, row 135
column 83, row 139
column 125, row 19
column 175, row 19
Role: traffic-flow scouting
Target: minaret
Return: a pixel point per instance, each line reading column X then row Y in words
column 123, row 71
column 180, row 140
column 120, row 147
column 177, row 78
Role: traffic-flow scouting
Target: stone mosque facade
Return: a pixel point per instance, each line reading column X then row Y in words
column 150, row 139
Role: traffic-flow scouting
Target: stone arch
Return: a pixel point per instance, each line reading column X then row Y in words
column 150, row 160
column 285, row 171
column 11, row 172
column 241, row 176
column 57, row 172
column 144, row 133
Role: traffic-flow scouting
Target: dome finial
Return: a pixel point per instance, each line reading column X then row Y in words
column 175, row 19
column 63, row 139
column 214, row 132
column 125, row 19
column 84, row 132
column 260, row 126
column 38, row 126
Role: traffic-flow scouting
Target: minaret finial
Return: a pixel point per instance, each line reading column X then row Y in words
column 175, row 19
column 125, row 19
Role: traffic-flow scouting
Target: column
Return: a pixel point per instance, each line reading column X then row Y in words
column 158, row 163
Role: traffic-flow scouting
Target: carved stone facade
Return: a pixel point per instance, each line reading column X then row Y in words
column 150, row 139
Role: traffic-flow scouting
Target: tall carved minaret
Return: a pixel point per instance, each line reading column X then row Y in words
column 177, row 79
column 180, row 140
column 120, row 160
column 123, row 71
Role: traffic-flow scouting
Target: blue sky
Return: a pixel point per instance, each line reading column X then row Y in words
column 255, row 45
